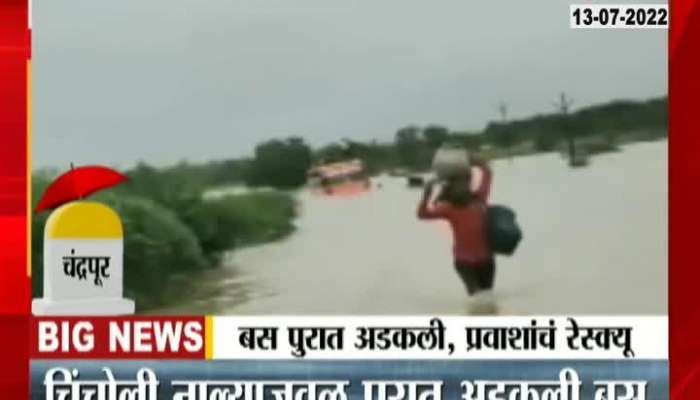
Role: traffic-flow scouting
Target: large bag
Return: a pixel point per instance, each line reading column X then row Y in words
column 503, row 232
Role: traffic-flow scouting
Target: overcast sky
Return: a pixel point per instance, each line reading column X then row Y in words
column 116, row 82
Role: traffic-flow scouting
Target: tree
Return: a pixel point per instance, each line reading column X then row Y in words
column 435, row 135
column 472, row 141
column 281, row 163
column 408, row 145
column 331, row 153
column 504, row 136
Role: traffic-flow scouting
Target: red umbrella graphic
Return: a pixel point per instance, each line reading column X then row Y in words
column 78, row 183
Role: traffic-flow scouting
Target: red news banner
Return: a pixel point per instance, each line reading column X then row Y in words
column 119, row 338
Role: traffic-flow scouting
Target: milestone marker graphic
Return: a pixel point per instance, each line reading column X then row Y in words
column 83, row 248
column 83, row 262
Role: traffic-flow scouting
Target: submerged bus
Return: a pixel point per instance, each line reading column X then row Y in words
column 342, row 177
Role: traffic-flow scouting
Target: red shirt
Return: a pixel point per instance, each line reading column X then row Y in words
column 468, row 222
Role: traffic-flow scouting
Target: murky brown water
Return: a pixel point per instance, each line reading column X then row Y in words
column 595, row 243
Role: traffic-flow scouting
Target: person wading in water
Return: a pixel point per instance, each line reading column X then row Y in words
column 465, row 210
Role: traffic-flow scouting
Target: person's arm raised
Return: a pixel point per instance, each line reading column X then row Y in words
column 484, row 189
column 426, row 210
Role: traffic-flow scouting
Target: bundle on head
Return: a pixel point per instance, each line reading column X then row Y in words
column 450, row 161
column 451, row 165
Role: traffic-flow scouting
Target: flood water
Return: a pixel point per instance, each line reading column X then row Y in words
column 595, row 242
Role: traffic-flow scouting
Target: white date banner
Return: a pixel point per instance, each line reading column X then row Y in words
column 619, row 16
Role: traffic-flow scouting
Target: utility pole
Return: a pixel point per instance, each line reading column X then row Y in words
column 563, row 104
column 503, row 111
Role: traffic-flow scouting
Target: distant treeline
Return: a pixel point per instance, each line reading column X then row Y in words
column 641, row 120
column 283, row 163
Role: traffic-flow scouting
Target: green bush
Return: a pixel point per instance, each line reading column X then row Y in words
column 280, row 163
column 242, row 219
column 546, row 141
column 175, row 190
column 157, row 247
column 260, row 216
